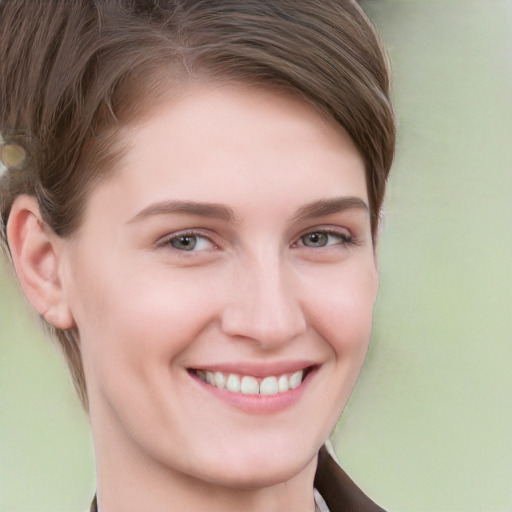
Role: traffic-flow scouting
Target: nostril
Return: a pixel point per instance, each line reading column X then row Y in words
column 267, row 326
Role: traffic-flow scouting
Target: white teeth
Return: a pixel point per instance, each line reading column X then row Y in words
column 283, row 384
column 220, row 379
column 233, row 383
column 249, row 386
column 269, row 386
column 296, row 379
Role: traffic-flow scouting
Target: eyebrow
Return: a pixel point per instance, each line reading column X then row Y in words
column 329, row 206
column 227, row 214
column 213, row 210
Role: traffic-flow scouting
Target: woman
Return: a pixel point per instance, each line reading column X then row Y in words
column 190, row 198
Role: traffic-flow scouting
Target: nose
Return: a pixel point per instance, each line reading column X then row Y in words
column 264, row 304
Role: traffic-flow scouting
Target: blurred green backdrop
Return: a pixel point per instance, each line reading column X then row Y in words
column 429, row 425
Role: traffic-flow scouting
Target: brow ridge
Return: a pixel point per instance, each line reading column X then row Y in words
column 330, row 206
column 222, row 212
column 214, row 210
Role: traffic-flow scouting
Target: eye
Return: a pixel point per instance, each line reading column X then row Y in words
column 189, row 242
column 319, row 239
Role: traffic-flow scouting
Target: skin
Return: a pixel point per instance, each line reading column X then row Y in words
column 272, row 282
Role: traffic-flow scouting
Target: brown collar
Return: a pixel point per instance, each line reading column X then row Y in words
column 340, row 493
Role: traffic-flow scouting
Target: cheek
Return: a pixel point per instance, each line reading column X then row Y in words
column 141, row 327
column 342, row 315
column 344, row 310
column 142, row 316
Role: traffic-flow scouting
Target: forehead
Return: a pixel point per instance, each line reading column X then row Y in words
column 239, row 145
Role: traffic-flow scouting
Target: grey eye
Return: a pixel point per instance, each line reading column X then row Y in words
column 184, row 243
column 315, row 239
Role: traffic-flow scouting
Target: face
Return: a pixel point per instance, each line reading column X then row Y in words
column 222, row 285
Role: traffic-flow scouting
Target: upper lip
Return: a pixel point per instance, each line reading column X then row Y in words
column 255, row 368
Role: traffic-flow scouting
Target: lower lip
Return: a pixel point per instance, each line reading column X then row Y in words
column 258, row 404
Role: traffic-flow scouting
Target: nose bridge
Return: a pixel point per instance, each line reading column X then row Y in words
column 265, row 305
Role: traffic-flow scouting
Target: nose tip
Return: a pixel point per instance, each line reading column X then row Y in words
column 266, row 309
column 269, row 324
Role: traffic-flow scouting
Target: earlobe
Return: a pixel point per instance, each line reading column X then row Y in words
column 36, row 252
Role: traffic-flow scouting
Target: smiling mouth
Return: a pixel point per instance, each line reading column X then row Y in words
column 251, row 385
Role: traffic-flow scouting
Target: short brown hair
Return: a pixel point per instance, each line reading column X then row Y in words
column 74, row 72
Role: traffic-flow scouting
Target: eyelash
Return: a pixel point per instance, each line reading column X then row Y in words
column 167, row 241
column 344, row 240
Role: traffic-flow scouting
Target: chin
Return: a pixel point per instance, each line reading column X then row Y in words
column 273, row 473
column 258, row 468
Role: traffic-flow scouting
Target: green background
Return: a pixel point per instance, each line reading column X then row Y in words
column 429, row 426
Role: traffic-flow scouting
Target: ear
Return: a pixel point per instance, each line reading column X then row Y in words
column 36, row 252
